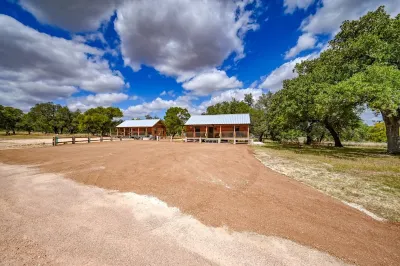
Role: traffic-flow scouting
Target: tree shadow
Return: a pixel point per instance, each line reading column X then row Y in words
column 341, row 153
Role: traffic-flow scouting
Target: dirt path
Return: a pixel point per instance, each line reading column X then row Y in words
column 47, row 219
column 224, row 185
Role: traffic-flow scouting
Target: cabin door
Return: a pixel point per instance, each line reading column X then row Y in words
column 210, row 132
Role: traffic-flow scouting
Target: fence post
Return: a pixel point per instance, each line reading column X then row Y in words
column 101, row 138
column 171, row 139
column 110, row 138
column 120, row 138
column 73, row 140
column 200, row 139
column 56, row 140
column 88, row 139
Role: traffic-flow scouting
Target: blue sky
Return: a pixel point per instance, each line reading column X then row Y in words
column 146, row 56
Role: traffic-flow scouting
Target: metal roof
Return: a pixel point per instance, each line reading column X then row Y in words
column 228, row 119
column 139, row 123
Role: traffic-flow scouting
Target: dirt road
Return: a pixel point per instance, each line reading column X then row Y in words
column 47, row 219
column 223, row 185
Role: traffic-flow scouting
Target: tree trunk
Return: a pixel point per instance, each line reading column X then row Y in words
column 334, row 134
column 392, row 125
column 13, row 131
column 308, row 131
column 260, row 138
column 321, row 138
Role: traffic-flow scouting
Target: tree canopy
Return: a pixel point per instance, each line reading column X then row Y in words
column 175, row 119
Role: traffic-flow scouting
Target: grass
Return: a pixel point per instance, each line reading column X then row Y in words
column 366, row 176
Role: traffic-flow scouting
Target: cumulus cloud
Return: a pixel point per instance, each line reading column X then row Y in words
column 73, row 15
column 292, row 5
column 275, row 79
column 158, row 105
column 180, row 38
column 36, row 67
column 305, row 42
column 95, row 100
column 211, row 81
column 331, row 13
column 228, row 95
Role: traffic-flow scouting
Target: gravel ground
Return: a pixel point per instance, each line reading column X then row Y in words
column 49, row 220
column 222, row 186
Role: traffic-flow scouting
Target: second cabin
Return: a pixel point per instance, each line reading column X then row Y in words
column 218, row 128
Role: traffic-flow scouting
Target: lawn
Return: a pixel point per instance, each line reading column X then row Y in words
column 366, row 176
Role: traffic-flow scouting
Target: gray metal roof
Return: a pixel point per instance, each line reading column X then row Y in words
column 139, row 123
column 229, row 119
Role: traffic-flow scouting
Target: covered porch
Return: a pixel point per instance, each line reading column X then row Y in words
column 218, row 133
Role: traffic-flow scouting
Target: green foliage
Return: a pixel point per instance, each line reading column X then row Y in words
column 27, row 123
column 99, row 120
column 175, row 119
column 232, row 107
column 9, row 118
column 377, row 133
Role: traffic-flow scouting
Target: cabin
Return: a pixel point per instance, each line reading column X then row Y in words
column 141, row 128
column 218, row 128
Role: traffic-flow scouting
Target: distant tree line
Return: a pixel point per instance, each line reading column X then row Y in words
column 57, row 119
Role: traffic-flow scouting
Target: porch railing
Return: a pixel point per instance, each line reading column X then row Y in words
column 224, row 134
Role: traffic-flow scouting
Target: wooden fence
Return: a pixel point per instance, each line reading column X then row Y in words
column 73, row 140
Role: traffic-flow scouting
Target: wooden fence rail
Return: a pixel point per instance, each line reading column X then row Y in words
column 73, row 140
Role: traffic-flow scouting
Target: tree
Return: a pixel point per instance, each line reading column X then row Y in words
column 259, row 117
column 175, row 119
column 10, row 117
column 248, row 99
column 369, row 54
column 232, row 107
column 377, row 132
column 99, row 120
column 379, row 86
column 27, row 123
column 46, row 118
column 148, row 116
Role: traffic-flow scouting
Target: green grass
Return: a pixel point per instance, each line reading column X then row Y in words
column 367, row 176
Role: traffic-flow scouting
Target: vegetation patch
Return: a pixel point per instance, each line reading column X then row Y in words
column 366, row 176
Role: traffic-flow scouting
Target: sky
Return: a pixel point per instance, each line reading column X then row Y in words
column 146, row 56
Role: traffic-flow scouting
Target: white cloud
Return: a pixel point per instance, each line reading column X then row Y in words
column 211, row 81
column 331, row 14
column 134, row 97
column 74, row 15
column 180, row 38
column 36, row 67
column 274, row 80
column 92, row 101
column 170, row 93
column 157, row 105
column 292, row 5
column 305, row 42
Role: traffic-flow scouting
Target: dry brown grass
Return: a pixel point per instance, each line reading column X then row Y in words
column 366, row 176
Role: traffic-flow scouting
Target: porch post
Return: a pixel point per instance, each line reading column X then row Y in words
column 194, row 132
column 220, row 133
column 145, row 131
column 138, row 132
column 206, row 131
column 234, row 134
column 124, row 131
column 248, row 133
column 117, row 132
